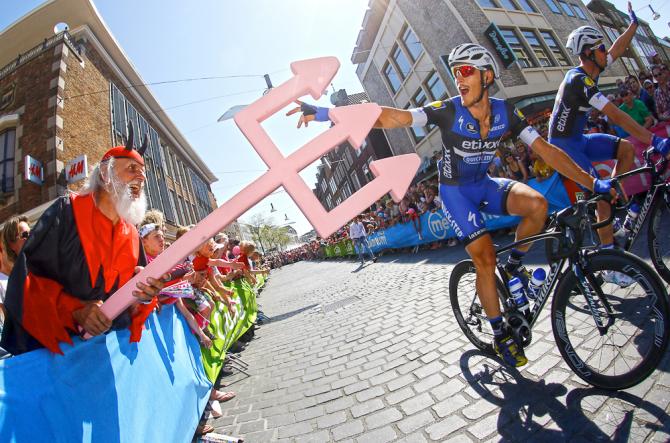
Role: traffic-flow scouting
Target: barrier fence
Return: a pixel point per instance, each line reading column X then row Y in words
column 107, row 389
column 435, row 226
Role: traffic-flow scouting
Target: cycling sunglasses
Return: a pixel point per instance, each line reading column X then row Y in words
column 600, row 47
column 464, row 70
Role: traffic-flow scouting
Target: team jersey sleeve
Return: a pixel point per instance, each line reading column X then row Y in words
column 519, row 126
column 435, row 113
column 585, row 87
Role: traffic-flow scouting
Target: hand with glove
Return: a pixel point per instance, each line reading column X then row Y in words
column 309, row 113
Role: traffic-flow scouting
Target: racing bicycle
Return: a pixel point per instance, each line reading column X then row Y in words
column 612, row 336
column 656, row 207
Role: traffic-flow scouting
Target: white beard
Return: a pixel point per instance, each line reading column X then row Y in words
column 129, row 208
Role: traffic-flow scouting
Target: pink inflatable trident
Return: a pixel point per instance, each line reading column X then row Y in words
column 352, row 124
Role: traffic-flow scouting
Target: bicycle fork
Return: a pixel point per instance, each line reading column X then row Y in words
column 593, row 294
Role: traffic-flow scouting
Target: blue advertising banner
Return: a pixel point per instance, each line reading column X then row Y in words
column 107, row 389
column 434, row 226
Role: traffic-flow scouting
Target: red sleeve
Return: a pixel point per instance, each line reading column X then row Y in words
column 47, row 313
column 244, row 260
column 138, row 317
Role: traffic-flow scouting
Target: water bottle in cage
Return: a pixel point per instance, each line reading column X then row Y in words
column 536, row 282
column 516, row 289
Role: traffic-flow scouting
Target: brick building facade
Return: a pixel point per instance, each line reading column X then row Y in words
column 74, row 93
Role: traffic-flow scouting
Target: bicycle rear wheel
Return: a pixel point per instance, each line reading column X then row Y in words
column 630, row 346
column 468, row 309
column 659, row 241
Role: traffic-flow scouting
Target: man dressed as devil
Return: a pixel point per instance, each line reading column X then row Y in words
column 82, row 249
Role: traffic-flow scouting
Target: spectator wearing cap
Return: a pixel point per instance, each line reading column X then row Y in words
column 641, row 94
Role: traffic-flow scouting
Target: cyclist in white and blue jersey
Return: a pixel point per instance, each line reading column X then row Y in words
column 472, row 126
column 576, row 96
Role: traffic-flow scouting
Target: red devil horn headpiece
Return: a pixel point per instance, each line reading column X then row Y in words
column 128, row 150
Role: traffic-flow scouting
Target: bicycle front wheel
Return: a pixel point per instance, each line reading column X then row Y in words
column 630, row 302
column 659, row 241
column 468, row 309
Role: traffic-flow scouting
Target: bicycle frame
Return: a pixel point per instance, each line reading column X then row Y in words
column 550, row 282
column 654, row 190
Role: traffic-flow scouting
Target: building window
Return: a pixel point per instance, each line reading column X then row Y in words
column 412, row 44
column 119, row 112
column 566, row 9
column 522, row 56
column 7, row 141
column 579, row 12
column 401, row 61
column 436, row 87
column 333, row 187
column 537, row 48
column 553, row 6
column 555, row 49
column 487, row 4
column 355, row 181
column 526, row 6
column 329, row 202
column 348, row 159
column 360, row 150
column 508, row 4
column 391, row 77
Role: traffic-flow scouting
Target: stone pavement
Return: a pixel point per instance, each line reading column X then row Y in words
column 374, row 354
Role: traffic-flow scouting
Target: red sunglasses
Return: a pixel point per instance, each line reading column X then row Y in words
column 464, row 70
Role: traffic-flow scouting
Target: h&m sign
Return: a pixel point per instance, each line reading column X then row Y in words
column 76, row 169
column 34, row 171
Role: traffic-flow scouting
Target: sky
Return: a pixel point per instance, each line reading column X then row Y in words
column 172, row 40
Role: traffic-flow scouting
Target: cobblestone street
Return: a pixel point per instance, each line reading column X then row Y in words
column 374, row 354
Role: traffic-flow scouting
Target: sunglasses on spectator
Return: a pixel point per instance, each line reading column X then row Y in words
column 464, row 70
column 24, row 235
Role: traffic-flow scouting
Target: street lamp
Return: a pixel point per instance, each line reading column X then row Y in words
column 231, row 112
column 655, row 15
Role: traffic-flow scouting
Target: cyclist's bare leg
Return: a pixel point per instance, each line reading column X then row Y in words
column 482, row 252
column 531, row 206
column 624, row 162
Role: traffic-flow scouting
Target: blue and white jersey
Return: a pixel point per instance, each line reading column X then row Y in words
column 575, row 97
column 465, row 155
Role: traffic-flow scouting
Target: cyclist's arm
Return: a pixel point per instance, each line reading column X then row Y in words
column 394, row 118
column 560, row 161
column 623, row 42
column 620, row 118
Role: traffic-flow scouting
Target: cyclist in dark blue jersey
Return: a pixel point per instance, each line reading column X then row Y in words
column 472, row 126
column 578, row 94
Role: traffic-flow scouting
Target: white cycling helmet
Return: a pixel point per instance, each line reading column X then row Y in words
column 582, row 38
column 475, row 55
